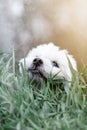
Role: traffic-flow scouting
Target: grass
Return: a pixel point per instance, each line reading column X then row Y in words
column 29, row 105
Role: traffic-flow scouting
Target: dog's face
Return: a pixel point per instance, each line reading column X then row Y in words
column 46, row 60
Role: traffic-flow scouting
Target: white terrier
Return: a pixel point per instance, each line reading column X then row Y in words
column 48, row 59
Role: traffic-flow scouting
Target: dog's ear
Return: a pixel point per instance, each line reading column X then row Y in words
column 65, row 59
column 69, row 58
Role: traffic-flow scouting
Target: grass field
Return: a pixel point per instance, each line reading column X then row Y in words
column 29, row 105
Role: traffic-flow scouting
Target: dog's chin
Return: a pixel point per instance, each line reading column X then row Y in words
column 37, row 74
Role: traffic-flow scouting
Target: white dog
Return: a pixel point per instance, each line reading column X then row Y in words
column 48, row 59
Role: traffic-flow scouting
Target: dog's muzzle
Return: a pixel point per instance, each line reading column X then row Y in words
column 35, row 69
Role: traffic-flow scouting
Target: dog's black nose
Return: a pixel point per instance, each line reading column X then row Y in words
column 37, row 62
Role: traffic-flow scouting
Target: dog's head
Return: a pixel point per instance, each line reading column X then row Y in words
column 46, row 60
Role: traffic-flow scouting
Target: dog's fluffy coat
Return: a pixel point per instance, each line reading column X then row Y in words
column 48, row 59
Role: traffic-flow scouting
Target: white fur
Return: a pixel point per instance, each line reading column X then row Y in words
column 48, row 53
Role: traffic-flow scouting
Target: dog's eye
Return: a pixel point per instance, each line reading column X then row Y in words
column 55, row 64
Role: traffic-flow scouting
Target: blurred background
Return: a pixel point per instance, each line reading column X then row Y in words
column 27, row 23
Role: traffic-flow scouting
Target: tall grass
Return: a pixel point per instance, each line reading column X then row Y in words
column 29, row 105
